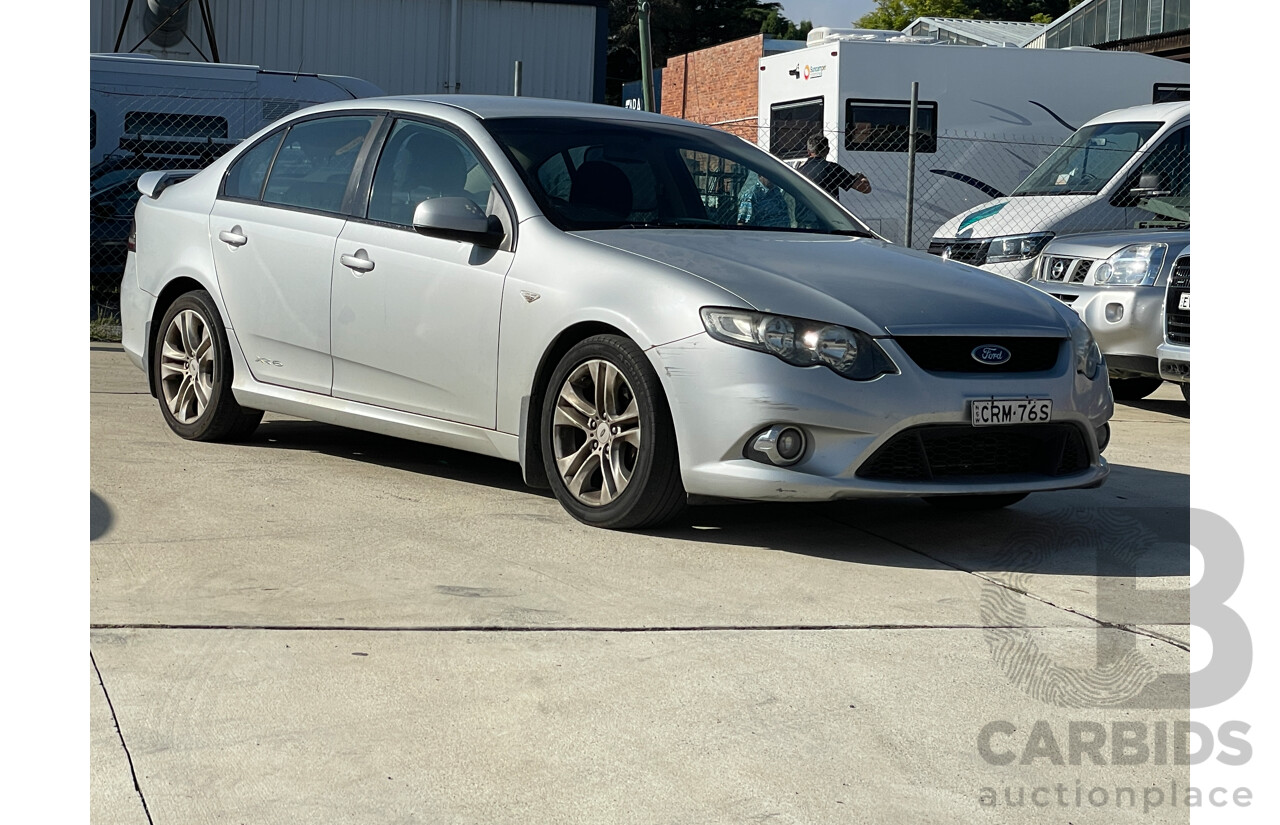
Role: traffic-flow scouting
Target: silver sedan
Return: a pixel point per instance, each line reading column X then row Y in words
column 639, row 311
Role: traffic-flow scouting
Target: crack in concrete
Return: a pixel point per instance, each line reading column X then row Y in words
column 133, row 773
column 992, row 580
column 559, row 628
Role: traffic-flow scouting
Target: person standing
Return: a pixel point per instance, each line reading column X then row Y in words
column 762, row 204
column 832, row 177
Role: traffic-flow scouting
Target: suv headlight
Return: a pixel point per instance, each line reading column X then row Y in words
column 1134, row 265
column 797, row 341
column 1017, row 247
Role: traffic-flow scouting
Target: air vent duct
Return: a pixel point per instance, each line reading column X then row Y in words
column 166, row 20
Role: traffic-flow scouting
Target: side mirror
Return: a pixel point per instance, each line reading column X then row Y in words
column 457, row 219
column 1149, row 186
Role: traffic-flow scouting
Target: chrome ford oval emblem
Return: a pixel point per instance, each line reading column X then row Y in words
column 993, row 354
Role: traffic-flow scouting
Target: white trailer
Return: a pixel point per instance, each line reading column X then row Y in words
column 987, row 116
column 144, row 105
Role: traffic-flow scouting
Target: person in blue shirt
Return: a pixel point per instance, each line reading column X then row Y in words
column 762, row 204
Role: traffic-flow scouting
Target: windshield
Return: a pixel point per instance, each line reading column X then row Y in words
column 1087, row 160
column 600, row 174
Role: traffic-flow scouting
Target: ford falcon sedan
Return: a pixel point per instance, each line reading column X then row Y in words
column 642, row 312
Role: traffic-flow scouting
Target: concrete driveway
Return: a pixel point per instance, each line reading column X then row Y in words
column 326, row 626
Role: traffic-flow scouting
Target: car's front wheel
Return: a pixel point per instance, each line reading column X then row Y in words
column 607, row 440
column 192, row 364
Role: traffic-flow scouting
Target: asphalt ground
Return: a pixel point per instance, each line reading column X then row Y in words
column 322, row 625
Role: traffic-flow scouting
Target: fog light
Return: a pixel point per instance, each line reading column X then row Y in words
column 779, row 445
column 1114, row 312
column 1104, row 436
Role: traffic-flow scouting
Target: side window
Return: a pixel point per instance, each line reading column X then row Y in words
column 884, row 126
column 791, row 124
column 1170, row 163
column 313, row 167
column 170, row 124
column 421, row 162
column 249, row 172
column 1170, row 92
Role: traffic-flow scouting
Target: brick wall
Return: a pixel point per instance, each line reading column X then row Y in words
column 716, row 86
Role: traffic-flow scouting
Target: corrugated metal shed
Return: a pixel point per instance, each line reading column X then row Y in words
column 403, row 46
column 975, row 32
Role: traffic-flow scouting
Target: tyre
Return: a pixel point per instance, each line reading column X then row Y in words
column 1186, row 391
column 976, row 503
column 608, row 444
column 1134, row 389
column 192, row 369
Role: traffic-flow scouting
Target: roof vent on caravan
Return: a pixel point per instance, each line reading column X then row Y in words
column 166, row 20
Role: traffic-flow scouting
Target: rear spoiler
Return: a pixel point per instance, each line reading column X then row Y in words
column 152, row 184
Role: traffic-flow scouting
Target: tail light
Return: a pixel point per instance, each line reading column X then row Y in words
column 132, row 243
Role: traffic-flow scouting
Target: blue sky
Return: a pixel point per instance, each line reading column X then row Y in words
column 837, row 13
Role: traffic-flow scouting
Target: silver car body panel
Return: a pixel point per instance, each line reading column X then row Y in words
column 450, row 354
column 1126, row 320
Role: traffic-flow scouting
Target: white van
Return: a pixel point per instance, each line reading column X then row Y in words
column 1127, row 169
column 146, row 105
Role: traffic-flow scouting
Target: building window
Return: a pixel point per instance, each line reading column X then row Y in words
column 791, row 124
column 883, row 126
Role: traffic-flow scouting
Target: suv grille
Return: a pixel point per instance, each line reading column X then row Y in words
column 946, row 353
column 934, row 453
column 1177, row 322
column 1064, row 270
column 966, row 252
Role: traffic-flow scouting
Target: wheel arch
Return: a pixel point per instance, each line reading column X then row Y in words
column 531, row 406
column 172, row 291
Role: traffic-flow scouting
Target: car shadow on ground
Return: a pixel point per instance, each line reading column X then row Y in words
column 387, row 451
column 1074, row 533
column 1178, row 408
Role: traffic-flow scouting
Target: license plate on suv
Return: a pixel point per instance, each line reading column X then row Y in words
column 994, row 411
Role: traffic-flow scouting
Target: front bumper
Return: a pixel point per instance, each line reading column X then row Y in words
column 1175, row 362
column 722, row 396
column 1126, row 321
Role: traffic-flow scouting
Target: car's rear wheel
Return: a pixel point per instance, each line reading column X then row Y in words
column 1134, row 389
column 608, row 444
column 192, row 364
column 975, row 503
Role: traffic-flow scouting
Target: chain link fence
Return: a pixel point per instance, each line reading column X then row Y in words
column 955, row 172
column 141, row 129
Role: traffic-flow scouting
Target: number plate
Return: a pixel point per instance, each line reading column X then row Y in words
column 991, row 412
column 1184, row 301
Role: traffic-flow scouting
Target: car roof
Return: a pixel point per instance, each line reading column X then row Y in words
column 1151, row 111
column 501, row 106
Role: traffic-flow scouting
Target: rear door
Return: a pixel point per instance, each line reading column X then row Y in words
column 273, row 230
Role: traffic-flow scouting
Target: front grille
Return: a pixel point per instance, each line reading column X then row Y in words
column 948, row 353
column 966, row 252
column 1177, row 322
column 951, row 452
column 1064, row 270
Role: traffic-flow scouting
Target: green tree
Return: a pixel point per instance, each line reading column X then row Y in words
column 1020, row 11
column 896, row 15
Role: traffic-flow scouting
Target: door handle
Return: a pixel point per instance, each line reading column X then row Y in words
column 233, row 237
column 359, row 262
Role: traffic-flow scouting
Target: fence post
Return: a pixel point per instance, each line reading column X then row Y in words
column 911, row 162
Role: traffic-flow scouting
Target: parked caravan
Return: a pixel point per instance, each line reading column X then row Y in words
column 986, row 116
column 1127, row 169
column 144, row 105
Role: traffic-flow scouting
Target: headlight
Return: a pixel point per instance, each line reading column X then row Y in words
column 845, row 351
column 1087, row 355
column 1017, row 247
column 1132, row 266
